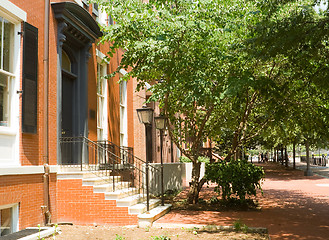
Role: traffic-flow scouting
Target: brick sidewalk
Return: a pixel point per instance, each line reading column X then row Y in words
column 293, row 207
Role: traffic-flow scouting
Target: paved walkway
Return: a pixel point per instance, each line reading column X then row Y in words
column 318, row 170
column 293, row 206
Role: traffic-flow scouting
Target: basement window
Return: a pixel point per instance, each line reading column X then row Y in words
column 8, row 219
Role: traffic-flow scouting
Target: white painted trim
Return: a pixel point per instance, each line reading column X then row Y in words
column 22, row 170
column 11, row 11
column 15, row 215
column 14, row 126
column 7, row 206
column 8, row 131
column 101, row 56
column 123, row 72
column 105, row 127
column 79, row 2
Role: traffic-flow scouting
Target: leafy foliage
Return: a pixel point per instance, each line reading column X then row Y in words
column 231, row 70
column 236, row 177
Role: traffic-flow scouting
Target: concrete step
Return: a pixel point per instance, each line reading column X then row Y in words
column 120, row 193
column 147, row 219
column 80, row 174
column 142, row 207
column 130, row 200
column 108, row 187
column 93, row 181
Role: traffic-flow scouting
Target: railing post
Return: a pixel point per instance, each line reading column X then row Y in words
column 147, row 172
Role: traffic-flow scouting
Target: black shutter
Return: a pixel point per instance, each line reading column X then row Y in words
column 30, row 79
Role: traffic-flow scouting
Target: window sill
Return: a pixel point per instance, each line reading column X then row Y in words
column 24, row 170
column 7, row 131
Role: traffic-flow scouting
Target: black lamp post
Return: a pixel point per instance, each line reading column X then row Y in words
column 145, row 116
column 160, row 123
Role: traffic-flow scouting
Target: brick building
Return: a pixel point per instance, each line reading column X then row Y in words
column 58, row 116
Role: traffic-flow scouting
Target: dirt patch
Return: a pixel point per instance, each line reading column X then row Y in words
column 135, row 233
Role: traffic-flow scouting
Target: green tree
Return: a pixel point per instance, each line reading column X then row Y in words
column 218, row 68
column 186, row 50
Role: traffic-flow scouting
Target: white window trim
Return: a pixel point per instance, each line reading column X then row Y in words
column 124, row 116
column 23, row 170
column 100, row 61
column 15, row 215
column 15, row 15
column 12, row 12
column 94, row 10
column 79, row 2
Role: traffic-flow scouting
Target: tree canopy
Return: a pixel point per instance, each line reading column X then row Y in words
column 225, row 69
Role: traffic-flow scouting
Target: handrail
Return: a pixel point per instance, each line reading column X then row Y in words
column 107, row 159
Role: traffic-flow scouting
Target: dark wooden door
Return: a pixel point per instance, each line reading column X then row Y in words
column 68, row 147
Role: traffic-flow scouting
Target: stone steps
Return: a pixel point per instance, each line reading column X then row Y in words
column 124, row 195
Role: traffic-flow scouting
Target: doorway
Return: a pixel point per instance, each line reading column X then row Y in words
column 69, row 80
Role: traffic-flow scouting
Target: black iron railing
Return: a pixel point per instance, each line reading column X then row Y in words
column 107, row 160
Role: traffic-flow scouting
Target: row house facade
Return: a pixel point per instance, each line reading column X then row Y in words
column 61, row 120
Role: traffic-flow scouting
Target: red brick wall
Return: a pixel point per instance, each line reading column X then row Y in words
column 27, row 190
column 80, row 205
column 114, row 102
column 31, row 151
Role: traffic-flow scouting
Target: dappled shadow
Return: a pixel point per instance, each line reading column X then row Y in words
column 292, row 207
column 276, row 171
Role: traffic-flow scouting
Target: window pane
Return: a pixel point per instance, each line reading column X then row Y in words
column 1, row 22
column 100, row 112
column 4, row 98
column 66, row 63
column 100, row 80
column 5, row 217
column 8, row 30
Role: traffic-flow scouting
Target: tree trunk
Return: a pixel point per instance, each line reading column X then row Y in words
column 281, row 155
column 286, row 156
column 193, row 194
column 274, row 157
column 308, row 171
column 294, row 155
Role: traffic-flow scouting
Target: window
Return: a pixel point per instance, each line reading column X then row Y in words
column 6, row 75
column 95, row 9
column 8, row 219
column 123, row 114
column 66, row 62
column 101, row 102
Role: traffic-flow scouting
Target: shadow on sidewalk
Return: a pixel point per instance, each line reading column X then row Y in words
column 276, row 171
column 292, row 207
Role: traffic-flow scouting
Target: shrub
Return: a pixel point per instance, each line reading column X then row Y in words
column 184, row 159
column 204, row 159
column 236, row 177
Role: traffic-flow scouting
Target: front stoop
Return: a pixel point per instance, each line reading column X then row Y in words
column 123, row 196
column 147, row 219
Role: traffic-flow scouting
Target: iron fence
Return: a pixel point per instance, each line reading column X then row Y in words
column 108, row 160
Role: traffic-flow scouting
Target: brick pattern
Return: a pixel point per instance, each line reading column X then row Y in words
column 27, row 191
column 80, row 205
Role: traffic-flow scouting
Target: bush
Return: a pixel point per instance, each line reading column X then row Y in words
column 204, row 159
column 236, row 177
column 184, row 159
